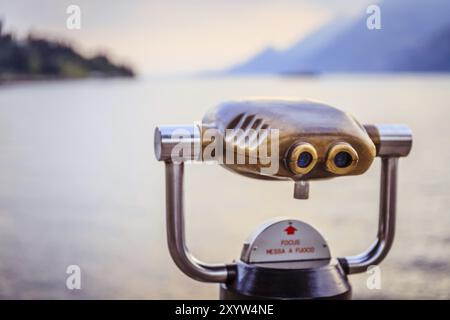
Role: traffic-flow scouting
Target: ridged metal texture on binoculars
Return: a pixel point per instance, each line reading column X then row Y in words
column 282, row 140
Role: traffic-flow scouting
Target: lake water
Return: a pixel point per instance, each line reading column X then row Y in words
column 79, row 184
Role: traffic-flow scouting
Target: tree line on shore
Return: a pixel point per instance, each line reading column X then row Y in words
column 38, row 58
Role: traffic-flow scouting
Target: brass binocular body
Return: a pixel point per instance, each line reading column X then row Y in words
column 308, row 140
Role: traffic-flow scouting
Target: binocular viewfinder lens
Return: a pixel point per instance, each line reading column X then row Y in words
column 304, row 159
column 343, row 159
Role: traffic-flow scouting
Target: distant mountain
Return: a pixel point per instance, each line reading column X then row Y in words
column 275, row 61
column 415, row 37
column 39, row 58
column 433, row 56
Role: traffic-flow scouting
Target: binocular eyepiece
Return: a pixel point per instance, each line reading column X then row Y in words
column 341, row 158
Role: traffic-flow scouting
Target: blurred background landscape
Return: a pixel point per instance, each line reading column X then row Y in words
column 78, row 180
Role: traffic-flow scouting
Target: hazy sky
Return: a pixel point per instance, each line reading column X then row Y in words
column 169, row 36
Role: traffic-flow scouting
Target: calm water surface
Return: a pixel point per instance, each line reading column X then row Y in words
column 79, row 185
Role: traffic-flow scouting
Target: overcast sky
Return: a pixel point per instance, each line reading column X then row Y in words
column 168, row 36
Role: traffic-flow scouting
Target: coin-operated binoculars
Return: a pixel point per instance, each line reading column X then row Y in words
column 282, row 140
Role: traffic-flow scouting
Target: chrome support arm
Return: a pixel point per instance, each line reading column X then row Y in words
column 167, row 139
column 176, row 234
column 386, row 224
column 392, row 142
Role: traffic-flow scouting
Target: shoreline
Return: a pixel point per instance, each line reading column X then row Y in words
column 16, row 79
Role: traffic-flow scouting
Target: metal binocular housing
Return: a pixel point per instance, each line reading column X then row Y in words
column 280, row 139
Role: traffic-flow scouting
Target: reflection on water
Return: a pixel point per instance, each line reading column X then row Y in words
column 79, row 185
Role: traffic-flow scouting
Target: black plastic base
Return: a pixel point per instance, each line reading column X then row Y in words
column 293, row 281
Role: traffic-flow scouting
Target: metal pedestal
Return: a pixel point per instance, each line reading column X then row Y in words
column 291, row 281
